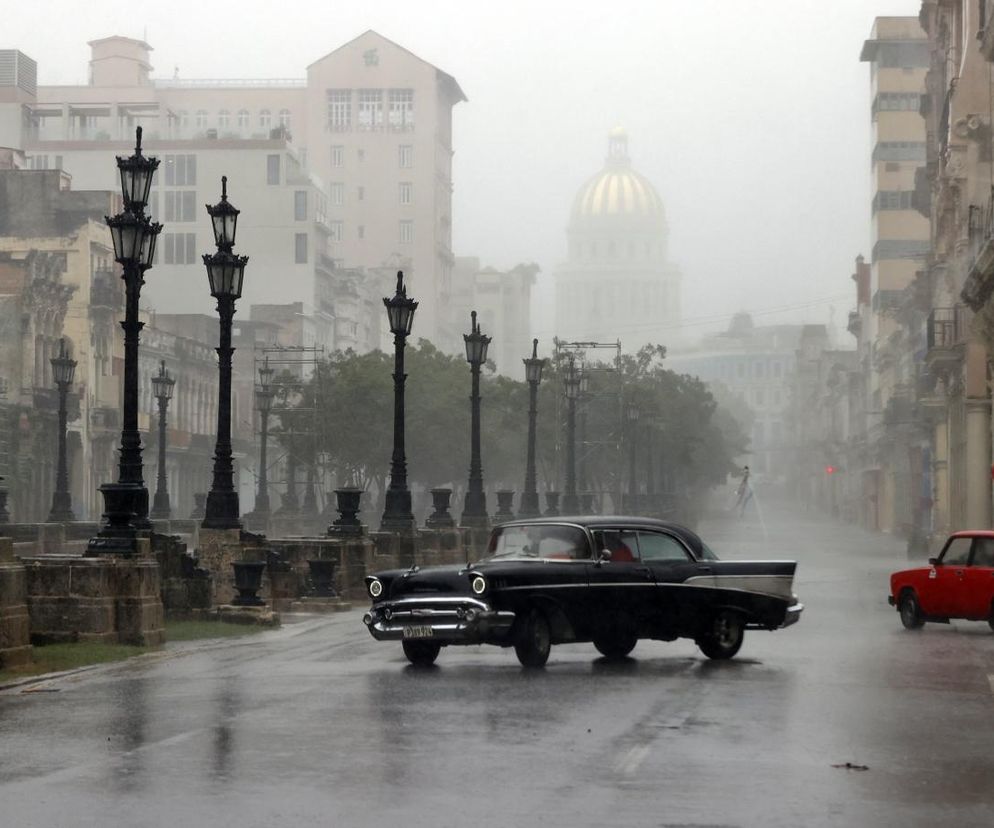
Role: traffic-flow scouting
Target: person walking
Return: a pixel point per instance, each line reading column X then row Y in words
column 743, row 493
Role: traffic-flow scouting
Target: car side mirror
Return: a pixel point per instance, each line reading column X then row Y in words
column 604, row 557
column 933, row 561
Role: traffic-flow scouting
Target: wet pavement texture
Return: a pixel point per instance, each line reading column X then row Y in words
column 317, row 724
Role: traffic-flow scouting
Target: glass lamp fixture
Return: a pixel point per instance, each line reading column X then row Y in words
column 400, row 309
column 136, row 172
column 162, row 383
column 63, row 366
column 476, row 343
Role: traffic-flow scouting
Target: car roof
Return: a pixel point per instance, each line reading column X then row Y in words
column 973, row 533
column 596, row 521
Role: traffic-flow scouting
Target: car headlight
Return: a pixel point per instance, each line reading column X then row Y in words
column 375, row 588
column 479, row 585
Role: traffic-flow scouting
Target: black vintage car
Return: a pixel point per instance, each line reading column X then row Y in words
column 608, row 580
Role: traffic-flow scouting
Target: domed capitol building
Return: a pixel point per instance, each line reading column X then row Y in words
column 617, row 282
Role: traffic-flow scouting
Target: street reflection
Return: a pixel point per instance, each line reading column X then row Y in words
column 128, row 726
column 227, row 705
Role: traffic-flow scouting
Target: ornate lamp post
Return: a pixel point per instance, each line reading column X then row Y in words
column 225, row 272
column 474, row 512
column 632, row 414
column 397, row 514
column 571, row 380
column 533, row 374
column 581, row 460
column 63, row 371
column 162, row 390
column 264, row 403
column 134, row 236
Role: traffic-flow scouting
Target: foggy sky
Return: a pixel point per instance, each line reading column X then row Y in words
column 751, row 119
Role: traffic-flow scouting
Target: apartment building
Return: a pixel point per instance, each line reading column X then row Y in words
column 346, row 168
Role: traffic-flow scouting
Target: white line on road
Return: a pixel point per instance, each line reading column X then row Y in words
column 629, row 763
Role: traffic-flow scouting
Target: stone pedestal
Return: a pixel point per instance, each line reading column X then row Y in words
column 109, row 599
column 218, row 550
column 15, row 641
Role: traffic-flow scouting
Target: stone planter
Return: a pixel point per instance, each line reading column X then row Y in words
column 199, row 506
column 248, row 581
column 348, row 523
column 552, row 504
column 440, row 517
column 322, row 578
column 505, row 506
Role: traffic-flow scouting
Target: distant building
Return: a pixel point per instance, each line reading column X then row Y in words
column 348, row 167
column 756, row 364
column 617, row 281
column 502, row 300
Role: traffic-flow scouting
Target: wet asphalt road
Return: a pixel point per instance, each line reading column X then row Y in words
column 317, row 724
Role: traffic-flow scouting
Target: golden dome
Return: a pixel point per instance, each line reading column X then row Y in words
column 617, row 190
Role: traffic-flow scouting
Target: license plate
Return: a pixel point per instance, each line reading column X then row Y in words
column 423, row 631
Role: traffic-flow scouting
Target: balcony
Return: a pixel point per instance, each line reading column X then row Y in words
column 945, row 335
column 855, row 325
column 105, row 290
column 979, row 284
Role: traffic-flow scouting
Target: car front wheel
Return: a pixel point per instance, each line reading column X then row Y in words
column 533, row 640
column 422, row 653
column 724, row 638
column 910, row 611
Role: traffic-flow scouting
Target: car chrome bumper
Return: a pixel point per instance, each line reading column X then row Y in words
column 451, row 620
column 793, row 614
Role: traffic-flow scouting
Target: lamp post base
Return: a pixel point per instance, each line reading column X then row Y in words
column 121, row 527
column 221, row 511
column 397, row 515
column 160, row 507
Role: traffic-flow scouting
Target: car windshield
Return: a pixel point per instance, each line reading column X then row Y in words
column 540, row 541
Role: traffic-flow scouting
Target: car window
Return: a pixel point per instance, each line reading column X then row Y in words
column 539, row 541
column 656, row 546
column 983, row 552
column 958, row 551
column 622, row 544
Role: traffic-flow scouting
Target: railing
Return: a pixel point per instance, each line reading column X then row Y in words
column 946, row 327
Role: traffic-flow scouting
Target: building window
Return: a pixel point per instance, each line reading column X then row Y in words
column 337, row 193
column 406, row 192
column 243, row 119
column 337, row 231
column 370, row 109
column 401, row 109
column 361, row 231
column 183, row 119
column 899, row 151
column 360, row 193
column 285, row 119
column 300, row 248
column 181, row 170
column 338, row 156
column 339, row 109
column 406, row 232
column 300, row 205
column 900, row 249
column 180, row 205
column 892, row 200
column 179, row 248
column 272, row 169
column 223, row 119
column 201, row 117
column 896, row 102
column 265, row 119
column 757, row 370
column 406, row 156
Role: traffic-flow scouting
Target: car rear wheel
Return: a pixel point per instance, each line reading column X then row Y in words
column 422, row 653
column 910, row 611
column 533, row 640
column 724, row 638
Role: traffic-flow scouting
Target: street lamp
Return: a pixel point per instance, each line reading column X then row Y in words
column 134, row 236
column 225, row 272
column 571, row 382
column 632, row 414
column 581, row 460
column 63, row 371
column 397, row 514
column 474, row 512
column 533, row 374
column 162, row 390
column 264, row 403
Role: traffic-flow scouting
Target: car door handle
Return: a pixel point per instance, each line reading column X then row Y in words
column 643, row 570
column 706, row 569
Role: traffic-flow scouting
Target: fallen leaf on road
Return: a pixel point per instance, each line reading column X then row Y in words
column 851, row 766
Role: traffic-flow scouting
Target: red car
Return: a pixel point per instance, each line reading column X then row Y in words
column 957, row 584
